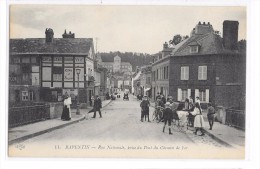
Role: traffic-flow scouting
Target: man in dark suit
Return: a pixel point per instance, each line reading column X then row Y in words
column 97, row 107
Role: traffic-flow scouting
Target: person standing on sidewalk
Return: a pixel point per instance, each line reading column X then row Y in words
column 97, row 107
column 210, row 115
column 167, row 116
column 66, row 112
column 198, row 121
column 145, row 108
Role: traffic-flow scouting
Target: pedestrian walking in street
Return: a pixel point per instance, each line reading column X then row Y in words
column 145, row 108
column 66, row 112
column 167, row 116
column 198, row 121
column 97, row 107
column 210, row 115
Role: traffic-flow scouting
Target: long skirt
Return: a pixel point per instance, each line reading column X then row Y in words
column 65, row 113
column 199, row 121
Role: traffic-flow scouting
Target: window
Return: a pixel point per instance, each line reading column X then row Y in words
column 202, row 73
column 33, row 59
column 57, row 77
column 17, row 60
column 31, row 95
column 203, row 94
column 157, row 74
column 194, row 49
column 164, row 72
column 167, row 73
column 26, row 59
column 185, row 73
column 24, row 95
column 183, row 94
column 26, row 78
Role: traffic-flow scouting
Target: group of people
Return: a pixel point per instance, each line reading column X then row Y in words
column 169, row 112
column 66, row 113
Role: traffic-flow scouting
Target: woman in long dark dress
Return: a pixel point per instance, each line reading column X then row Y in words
column 66, row 109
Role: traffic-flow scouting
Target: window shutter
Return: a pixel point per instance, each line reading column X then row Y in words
column 205, row 73
column 207, row 95
column 197, row 93
column 187, row 73
column 189, row 93
column 199, row 73
column 179, row 94
column 181, row 73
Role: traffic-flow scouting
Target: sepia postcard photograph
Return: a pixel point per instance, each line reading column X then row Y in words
column 127, row 81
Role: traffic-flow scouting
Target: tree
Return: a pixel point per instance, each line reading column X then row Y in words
column 177, row 39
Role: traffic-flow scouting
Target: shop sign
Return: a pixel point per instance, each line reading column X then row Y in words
column 46, row 59
column 79, row 59
column 68, row 74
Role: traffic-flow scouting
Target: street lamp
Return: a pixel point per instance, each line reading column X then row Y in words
column 78, row 72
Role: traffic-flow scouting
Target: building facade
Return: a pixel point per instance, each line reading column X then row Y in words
column 118, row 65
column 208, row 67
column 44, row 69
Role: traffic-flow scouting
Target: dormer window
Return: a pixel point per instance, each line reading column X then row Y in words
column 194, row 49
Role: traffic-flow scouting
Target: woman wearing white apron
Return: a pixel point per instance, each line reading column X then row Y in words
column 198, row 121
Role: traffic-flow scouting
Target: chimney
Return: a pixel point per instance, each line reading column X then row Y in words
column 202, row 29
column 230, row 34
column 49, row 34
column 165, row 45
column 68, row 35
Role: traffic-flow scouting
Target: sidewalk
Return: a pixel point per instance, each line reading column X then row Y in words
column 24, row 132
column 225, row 134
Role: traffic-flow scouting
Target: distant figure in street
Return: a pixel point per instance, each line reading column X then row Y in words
column 167, row 116
column 198, row 121
column 145, row 108
column 66, row 113
column 190, row 103
column 97, row 107
column 163, row 99
column 197, row 100
column 158, row 95
column 210, row 115
column 186, row 104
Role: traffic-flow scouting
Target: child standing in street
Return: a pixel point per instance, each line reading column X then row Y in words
column 210, row 115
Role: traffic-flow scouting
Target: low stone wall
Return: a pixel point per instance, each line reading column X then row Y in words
column 55, row 109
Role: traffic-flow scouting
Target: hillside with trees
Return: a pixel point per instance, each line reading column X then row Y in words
column 136, row 59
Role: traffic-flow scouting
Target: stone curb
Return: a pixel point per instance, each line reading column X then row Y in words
column 220, row 141
column 10, row 142
column 44, row 131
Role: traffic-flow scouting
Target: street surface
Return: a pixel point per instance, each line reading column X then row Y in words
column 121, row 122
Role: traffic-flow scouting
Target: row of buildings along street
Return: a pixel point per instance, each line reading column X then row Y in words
column 204, row 64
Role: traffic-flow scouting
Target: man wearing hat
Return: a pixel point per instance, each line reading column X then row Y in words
column 167, row 116
column 145, row 108
column 97, row 107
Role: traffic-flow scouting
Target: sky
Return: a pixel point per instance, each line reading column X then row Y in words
column 141, row 28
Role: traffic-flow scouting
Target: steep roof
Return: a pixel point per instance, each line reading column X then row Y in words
column 209, row 43
column 59, row 45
